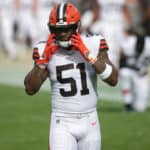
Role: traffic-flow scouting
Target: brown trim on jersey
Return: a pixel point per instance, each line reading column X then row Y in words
column 103, row 45
column 35, row 54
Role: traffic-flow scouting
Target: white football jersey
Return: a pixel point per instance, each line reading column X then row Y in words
column 5, row 6
column 26, row 10
column 128, row 45
column 47, row 3
column 144, row 59
column 73, row 80
column 26, row 4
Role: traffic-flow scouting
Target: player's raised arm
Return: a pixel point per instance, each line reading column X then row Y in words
column 34, row 79
column 104, row 67
column 102, row 64
column 41, row 55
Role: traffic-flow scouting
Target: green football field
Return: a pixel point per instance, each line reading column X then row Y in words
column 24, row 123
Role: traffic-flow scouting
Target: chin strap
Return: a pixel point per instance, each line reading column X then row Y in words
column 64, row 43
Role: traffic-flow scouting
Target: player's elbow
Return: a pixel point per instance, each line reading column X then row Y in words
column 113, row 83
column 113, row 80
column 29, row 89
column 30, row 92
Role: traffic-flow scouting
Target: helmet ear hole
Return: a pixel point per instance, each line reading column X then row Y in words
column 78, row 27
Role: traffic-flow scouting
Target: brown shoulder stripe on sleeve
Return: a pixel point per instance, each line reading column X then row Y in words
column 103, row 45
column 35, row 54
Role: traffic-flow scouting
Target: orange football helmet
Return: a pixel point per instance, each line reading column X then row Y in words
column 64, row 17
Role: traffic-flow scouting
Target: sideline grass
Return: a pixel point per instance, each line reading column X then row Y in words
column 24, row 123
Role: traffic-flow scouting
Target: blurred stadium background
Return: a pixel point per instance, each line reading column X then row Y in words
column 24, row 120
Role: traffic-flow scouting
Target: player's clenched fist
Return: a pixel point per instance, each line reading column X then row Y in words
column 43, row 55
column 77, row 42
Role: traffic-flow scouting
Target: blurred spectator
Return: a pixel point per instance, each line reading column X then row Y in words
column 82, row 5
column 26, row 14
column 6, row 35
column 75, row 3
column 110, row 18
column 86, row 8
column 134, row 62
column 135, row 10
column 15, row 27
column 146, row 16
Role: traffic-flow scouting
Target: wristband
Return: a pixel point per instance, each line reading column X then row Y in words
column 106, row 73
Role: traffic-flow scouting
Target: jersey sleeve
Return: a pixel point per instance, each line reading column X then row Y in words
column 103, row 45
column 40, row 48
column 95, row 43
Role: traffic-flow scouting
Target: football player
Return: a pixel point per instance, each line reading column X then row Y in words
column 72, row 63
column 134, row 79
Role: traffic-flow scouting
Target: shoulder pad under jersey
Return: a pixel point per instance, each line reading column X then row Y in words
column 93, row 43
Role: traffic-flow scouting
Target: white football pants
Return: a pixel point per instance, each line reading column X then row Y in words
column 135, row 88
column 74, row 131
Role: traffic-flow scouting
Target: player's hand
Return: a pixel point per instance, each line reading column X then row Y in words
column 49, row 50
column 77, row 42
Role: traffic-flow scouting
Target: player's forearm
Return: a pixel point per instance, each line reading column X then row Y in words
column 113, row 79
column 107, row 71
column 34, row 80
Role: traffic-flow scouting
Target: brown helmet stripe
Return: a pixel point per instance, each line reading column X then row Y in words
column 64, row 12
column 61, row 10
column 58, row 8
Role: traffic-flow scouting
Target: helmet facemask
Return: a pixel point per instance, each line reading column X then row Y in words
column 63, row 33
